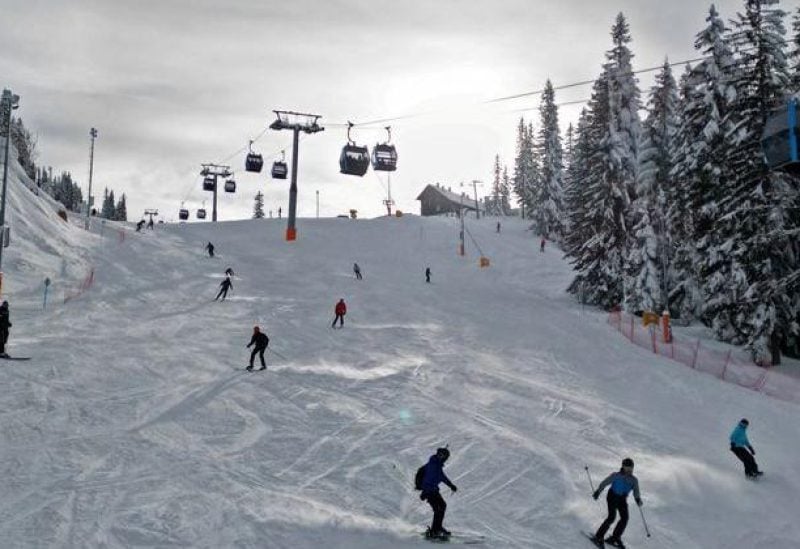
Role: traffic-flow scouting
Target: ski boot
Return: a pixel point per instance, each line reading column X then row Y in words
column 597, row 541
column 440, row 535
column 614, row 542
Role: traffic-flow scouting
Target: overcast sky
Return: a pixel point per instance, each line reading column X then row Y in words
column 173, row 83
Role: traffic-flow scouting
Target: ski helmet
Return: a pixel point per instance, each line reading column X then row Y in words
column 256, row 329
column 627, row 462
column 744, row 422
column 443, row 453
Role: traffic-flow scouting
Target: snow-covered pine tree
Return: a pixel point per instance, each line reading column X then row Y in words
column 548, row 208
column 758, row 220
column 647, row 260
column 605, row 193
column 258, row 207
column 121, row 210
column 795, row 53
column 495, row 207
column 525, row 169
column 107, row 209
column 505, row 192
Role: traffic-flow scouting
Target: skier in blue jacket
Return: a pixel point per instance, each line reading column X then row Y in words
column 434, row 474
column 622, row 483
column 741, row 446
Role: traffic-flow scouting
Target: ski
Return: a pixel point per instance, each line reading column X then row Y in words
column 6, row 357
column 594, row 541
column 463, row 539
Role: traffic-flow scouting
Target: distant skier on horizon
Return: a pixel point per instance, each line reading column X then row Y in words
column 139, row 225
column 5, row 326
column 340, row 310
column 357, row 271
column 542, row 244
column 228, row 272
column 622, row 483
column 741, row 447
column 225, row 286
column 498, row 227
column 261, row 342
column 210, row 248
column 428, row 275
column 433, row 476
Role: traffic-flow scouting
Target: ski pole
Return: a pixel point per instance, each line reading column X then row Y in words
column 590, row 478
column 646, row 529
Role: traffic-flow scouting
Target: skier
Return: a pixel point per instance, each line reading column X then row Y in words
column 541, row 246
column 621, row 484
column 139, row 225
column 210, row 248
column 434, row 474
column 357, row 271
column 279, row 213
column 428, row 275
column 743, row 450
column 228, row 272
column 5, row 324
column 340, row 310
column 261, row 342
column 225, row 286
column 498, row 227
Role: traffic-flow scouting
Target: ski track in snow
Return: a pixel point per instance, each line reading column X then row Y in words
column 130, row 426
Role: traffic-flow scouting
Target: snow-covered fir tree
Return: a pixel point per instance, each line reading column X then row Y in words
column 758, row 221
column 547, row 207
column 121, row 210
column 258, row 206
column 647, row 259
column 525, row 168
column 505, row 191
column 108, row 208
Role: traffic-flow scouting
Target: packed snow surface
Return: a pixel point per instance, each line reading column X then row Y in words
column 135, row 425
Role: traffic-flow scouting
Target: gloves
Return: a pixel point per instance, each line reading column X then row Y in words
column 596, row 494
column 422, row 496
column 639, row 502
column 454, row 488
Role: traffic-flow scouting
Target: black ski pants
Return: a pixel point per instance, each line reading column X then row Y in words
column 3, row 339
column 616, row 504
column 340, row 318
column 260, row 352
column 750, row 465
column 358, row 275
column 223, row 292
column 439, row 506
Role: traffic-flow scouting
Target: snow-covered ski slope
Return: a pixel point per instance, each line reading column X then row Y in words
column 134, row 424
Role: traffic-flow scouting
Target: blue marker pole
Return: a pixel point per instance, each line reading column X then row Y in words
column 793, row 130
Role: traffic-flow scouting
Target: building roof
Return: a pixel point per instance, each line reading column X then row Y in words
column 455, row 198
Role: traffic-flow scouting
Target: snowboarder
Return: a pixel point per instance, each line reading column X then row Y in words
column 228, row 272
column 139, row 225
column 5, row 324
column 210, row 248
column 621, row 484
column 541, row 245
column 740, row 446
column 261, row 342
column 340, row 310
column 357, row 271
column 428, row 275
column 434, row 474
column 225, row 286
column 498, row 227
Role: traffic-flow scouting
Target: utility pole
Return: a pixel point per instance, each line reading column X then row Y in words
column 297, row 122
column 93, row 135
column 389, row 202
column 475, row 184
column 213, row 171
column 8, row 103
column 151, row 213
column 461, row 250
column 317, row 204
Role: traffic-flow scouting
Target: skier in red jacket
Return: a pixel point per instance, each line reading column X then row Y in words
column 340, row 310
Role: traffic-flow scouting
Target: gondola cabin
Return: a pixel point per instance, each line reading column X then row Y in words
column 780, row 137
column 209, row 184
column 183, row 214
column 230, row 186
column 201, row 213
column 279, row 170
column 253, row 163
column 354, row 160
column 384, row 157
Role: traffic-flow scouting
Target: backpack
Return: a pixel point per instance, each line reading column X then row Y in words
column 419, row 477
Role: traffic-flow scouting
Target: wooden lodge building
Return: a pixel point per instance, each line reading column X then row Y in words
column 438, row 200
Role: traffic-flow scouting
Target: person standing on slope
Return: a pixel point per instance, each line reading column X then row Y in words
column 139, row 225
column 428, row 275
column 340, row 310
column 498, row 227
column 228, row 272
column 5, row 325
column 741, row 446
column 621, row 484
column 225, row 286
column 210, row 248
column 541, row 245
column 357, row 271
column 434, row 474
column 261, row 342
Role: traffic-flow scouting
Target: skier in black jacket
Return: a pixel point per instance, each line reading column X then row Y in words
column 434, row 474
column 261, row 342
column 226, row 285
column 5, row 324
column 210, row 248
